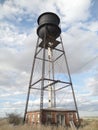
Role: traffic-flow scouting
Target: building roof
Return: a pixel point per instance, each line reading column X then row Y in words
column 53, row 109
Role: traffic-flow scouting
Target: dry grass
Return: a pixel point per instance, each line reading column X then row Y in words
column 86, row 125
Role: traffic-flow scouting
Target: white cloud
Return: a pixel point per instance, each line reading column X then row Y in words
column 9, row 36
column 92, row 85
column 93, row 26
column 80, row 47
column 74, row 11
column 70, row 12
column 8, row 10
column 80, row 38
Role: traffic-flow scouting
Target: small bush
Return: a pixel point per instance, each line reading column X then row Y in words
column 14, row 119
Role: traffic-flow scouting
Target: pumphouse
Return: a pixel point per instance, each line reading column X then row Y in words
column 49, row 80
column 52, row 116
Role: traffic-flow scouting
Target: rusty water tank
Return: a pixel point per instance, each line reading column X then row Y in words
column 48, row 25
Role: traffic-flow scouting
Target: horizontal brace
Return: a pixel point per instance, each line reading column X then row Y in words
column 64, row 82
column 36, row 82
column 50, row 84
column 58, row 57
column 43, row 59
column 40, row 80
column 50, row 79
column 38, row 89
column 38, row 51
column 62, row 87
column 58, row 81
column 58, row 50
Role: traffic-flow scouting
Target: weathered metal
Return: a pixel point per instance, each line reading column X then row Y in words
column 48, row 17
column 49, row 26
column 48, row 31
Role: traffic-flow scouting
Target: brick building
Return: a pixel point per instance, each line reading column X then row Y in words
column 52, row 116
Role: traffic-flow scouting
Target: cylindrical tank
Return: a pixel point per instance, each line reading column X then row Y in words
column 48, row 17
column 48, row 25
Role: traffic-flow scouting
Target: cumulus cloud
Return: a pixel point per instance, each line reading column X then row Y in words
column 18, row 39
column 77, row 11
column 92, row 86
column 70, row 12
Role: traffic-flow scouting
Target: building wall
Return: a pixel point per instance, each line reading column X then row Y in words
column 33, row 117
column 51, row 117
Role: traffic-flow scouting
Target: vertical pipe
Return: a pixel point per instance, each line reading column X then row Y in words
column 42, row 79
column 32, row 70
column 54, row 94
column 70, row 81
column 50, row 102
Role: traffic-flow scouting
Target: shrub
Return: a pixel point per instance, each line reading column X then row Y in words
column 14, row 119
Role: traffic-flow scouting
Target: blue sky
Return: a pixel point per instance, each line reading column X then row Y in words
column 18, row 24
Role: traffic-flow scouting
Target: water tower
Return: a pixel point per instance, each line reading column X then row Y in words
column 49, row 80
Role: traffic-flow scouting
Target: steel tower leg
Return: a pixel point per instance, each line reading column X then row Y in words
column 70, row 81
column 28, row 94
